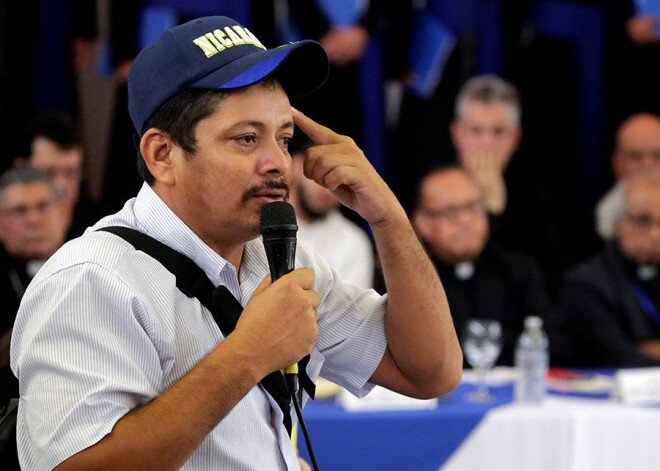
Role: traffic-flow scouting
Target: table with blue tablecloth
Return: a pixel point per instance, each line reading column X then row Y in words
column 567, row 432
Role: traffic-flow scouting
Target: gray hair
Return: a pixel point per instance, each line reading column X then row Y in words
column 25, row 175
column 488, row 89
column 619, row 195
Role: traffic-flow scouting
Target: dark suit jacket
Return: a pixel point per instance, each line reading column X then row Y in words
column 13, row 281
column 506, row 286
column 603, row 317
column 529, row 224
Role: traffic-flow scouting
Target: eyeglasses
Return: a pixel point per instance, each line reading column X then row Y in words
column 22, row 211
column 69, row 173
column 497, row 132
column 642, row 221
column 452, row 213
column 638, row 155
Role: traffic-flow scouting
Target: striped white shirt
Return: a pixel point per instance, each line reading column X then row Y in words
column 103, row 329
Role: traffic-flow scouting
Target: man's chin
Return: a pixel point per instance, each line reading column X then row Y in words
column 34, row 254
column 650, row 259
column 467, row 255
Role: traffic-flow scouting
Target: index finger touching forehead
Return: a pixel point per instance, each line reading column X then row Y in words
column 318, row 133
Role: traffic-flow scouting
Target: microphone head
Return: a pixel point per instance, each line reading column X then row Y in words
column 278, row 219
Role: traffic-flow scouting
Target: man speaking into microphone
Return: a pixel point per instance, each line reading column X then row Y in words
column 125, row 363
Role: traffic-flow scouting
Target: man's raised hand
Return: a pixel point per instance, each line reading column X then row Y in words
column 337, row 163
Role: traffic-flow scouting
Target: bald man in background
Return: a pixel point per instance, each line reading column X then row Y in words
column 636, row 151
column 481, row 279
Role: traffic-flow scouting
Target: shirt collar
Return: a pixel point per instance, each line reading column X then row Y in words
column 156, row 219
column 637, row 272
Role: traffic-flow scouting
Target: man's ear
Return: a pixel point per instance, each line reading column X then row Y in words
column 156, row 148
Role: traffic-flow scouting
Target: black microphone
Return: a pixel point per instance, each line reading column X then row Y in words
column 278, row 228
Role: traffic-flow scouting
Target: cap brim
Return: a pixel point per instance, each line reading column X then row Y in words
column 300, row 67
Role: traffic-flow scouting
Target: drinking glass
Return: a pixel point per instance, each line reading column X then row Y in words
column 482, row 342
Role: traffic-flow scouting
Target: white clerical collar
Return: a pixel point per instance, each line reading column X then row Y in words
column 646, row 272
column 464, row 271
column 32, row 267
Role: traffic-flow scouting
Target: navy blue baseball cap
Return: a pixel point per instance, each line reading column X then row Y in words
column 217, row 53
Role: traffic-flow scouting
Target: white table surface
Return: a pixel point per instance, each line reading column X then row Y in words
column 563, row 434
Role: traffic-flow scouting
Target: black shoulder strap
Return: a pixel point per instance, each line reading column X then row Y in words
column 190, row 279
column 193, row 282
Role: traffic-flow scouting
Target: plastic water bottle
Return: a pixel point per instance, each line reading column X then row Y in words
column 531, row 360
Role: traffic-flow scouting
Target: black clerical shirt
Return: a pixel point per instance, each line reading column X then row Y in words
column 603, row 313
column 506, row 286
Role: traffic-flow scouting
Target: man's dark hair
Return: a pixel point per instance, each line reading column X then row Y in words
column 55, row 126
column 178, row 117
column 434, row 170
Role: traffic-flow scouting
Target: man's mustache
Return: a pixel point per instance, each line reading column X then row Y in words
column 269, row 185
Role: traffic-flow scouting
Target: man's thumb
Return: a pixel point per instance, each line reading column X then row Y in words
column 265, row 283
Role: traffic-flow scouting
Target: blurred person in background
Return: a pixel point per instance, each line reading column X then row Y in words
column 321, row 226
column 446, row 44
column 33, row 223
column 611, row 302
column 486, row 134
column 55, row 146
column 481, row 279
column 636, row 151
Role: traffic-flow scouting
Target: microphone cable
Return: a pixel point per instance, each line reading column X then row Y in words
column 292, row 385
